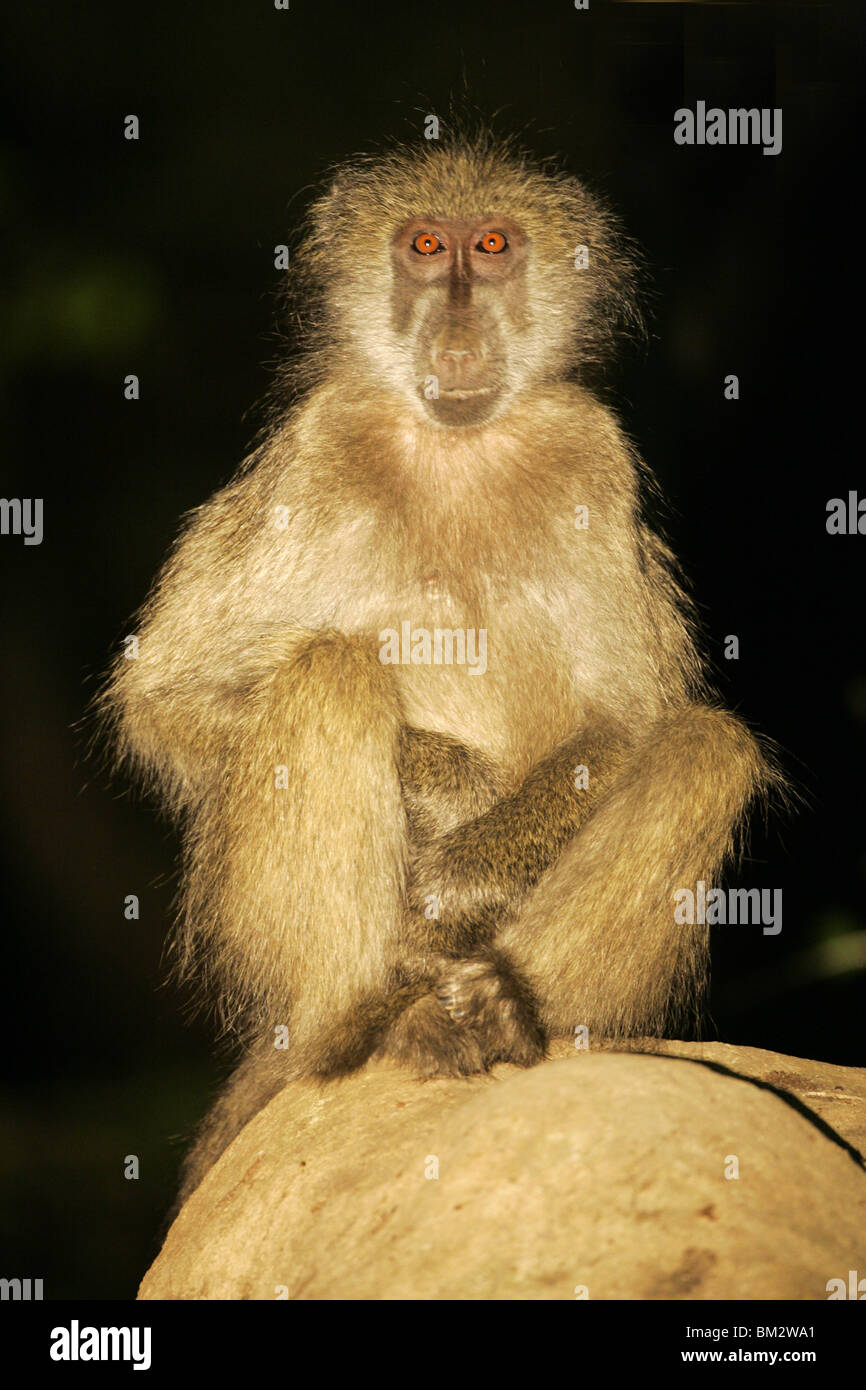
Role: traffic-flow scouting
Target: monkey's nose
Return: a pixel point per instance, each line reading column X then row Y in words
column 458, row 364
column 458, row 357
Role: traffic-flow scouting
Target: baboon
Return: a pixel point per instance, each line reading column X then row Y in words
column 408, row 855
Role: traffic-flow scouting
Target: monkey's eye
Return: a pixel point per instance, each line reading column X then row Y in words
column 492, row 242
column 426, row 244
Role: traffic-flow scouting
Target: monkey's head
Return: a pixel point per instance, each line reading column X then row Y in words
column 458, row 275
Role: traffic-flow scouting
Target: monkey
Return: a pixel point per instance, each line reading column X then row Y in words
column 415, row 858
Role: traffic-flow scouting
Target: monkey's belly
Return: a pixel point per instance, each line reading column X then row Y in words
column 513, row 714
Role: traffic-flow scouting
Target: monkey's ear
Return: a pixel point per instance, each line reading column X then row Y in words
column 619, row 289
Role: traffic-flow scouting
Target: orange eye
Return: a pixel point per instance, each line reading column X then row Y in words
column 492, row 242
column 426, row 244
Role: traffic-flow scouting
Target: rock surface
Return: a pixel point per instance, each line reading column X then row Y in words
column 605, row 1172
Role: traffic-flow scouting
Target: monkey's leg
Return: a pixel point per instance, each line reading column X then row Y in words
column 596, row 939
column 296, row 861
column 474, row 1011
column 464, row 884
column 465, row 881
column 444, row 783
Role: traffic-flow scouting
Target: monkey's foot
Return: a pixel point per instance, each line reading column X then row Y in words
column 425, row 1038
column 488, row 1002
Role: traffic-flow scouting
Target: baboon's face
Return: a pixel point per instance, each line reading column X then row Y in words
column 459, row 309
column 449, row 281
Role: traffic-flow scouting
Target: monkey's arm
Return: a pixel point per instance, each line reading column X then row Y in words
column 279, row 744
column 444, row 783
column 295, row 857
column 206, row 646
column 474, row 873
column 177, row 706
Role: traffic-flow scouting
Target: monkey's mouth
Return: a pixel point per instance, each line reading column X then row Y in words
column 462, row 405
column 461, row 393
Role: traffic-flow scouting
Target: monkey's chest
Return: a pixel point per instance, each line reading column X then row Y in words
column 488, row 671
column 502, row 665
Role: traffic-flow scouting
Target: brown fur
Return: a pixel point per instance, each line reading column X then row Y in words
column 422, row 878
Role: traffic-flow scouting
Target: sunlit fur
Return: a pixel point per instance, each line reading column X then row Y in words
column 339, row 292
column 304, row 902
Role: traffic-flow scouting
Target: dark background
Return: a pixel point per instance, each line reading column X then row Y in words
column 156, row 257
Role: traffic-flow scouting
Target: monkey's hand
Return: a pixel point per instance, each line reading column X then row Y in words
column 484, row 996
column 477, row 1012
column 464, row 883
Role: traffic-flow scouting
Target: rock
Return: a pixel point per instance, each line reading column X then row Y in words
column 609, row 1171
